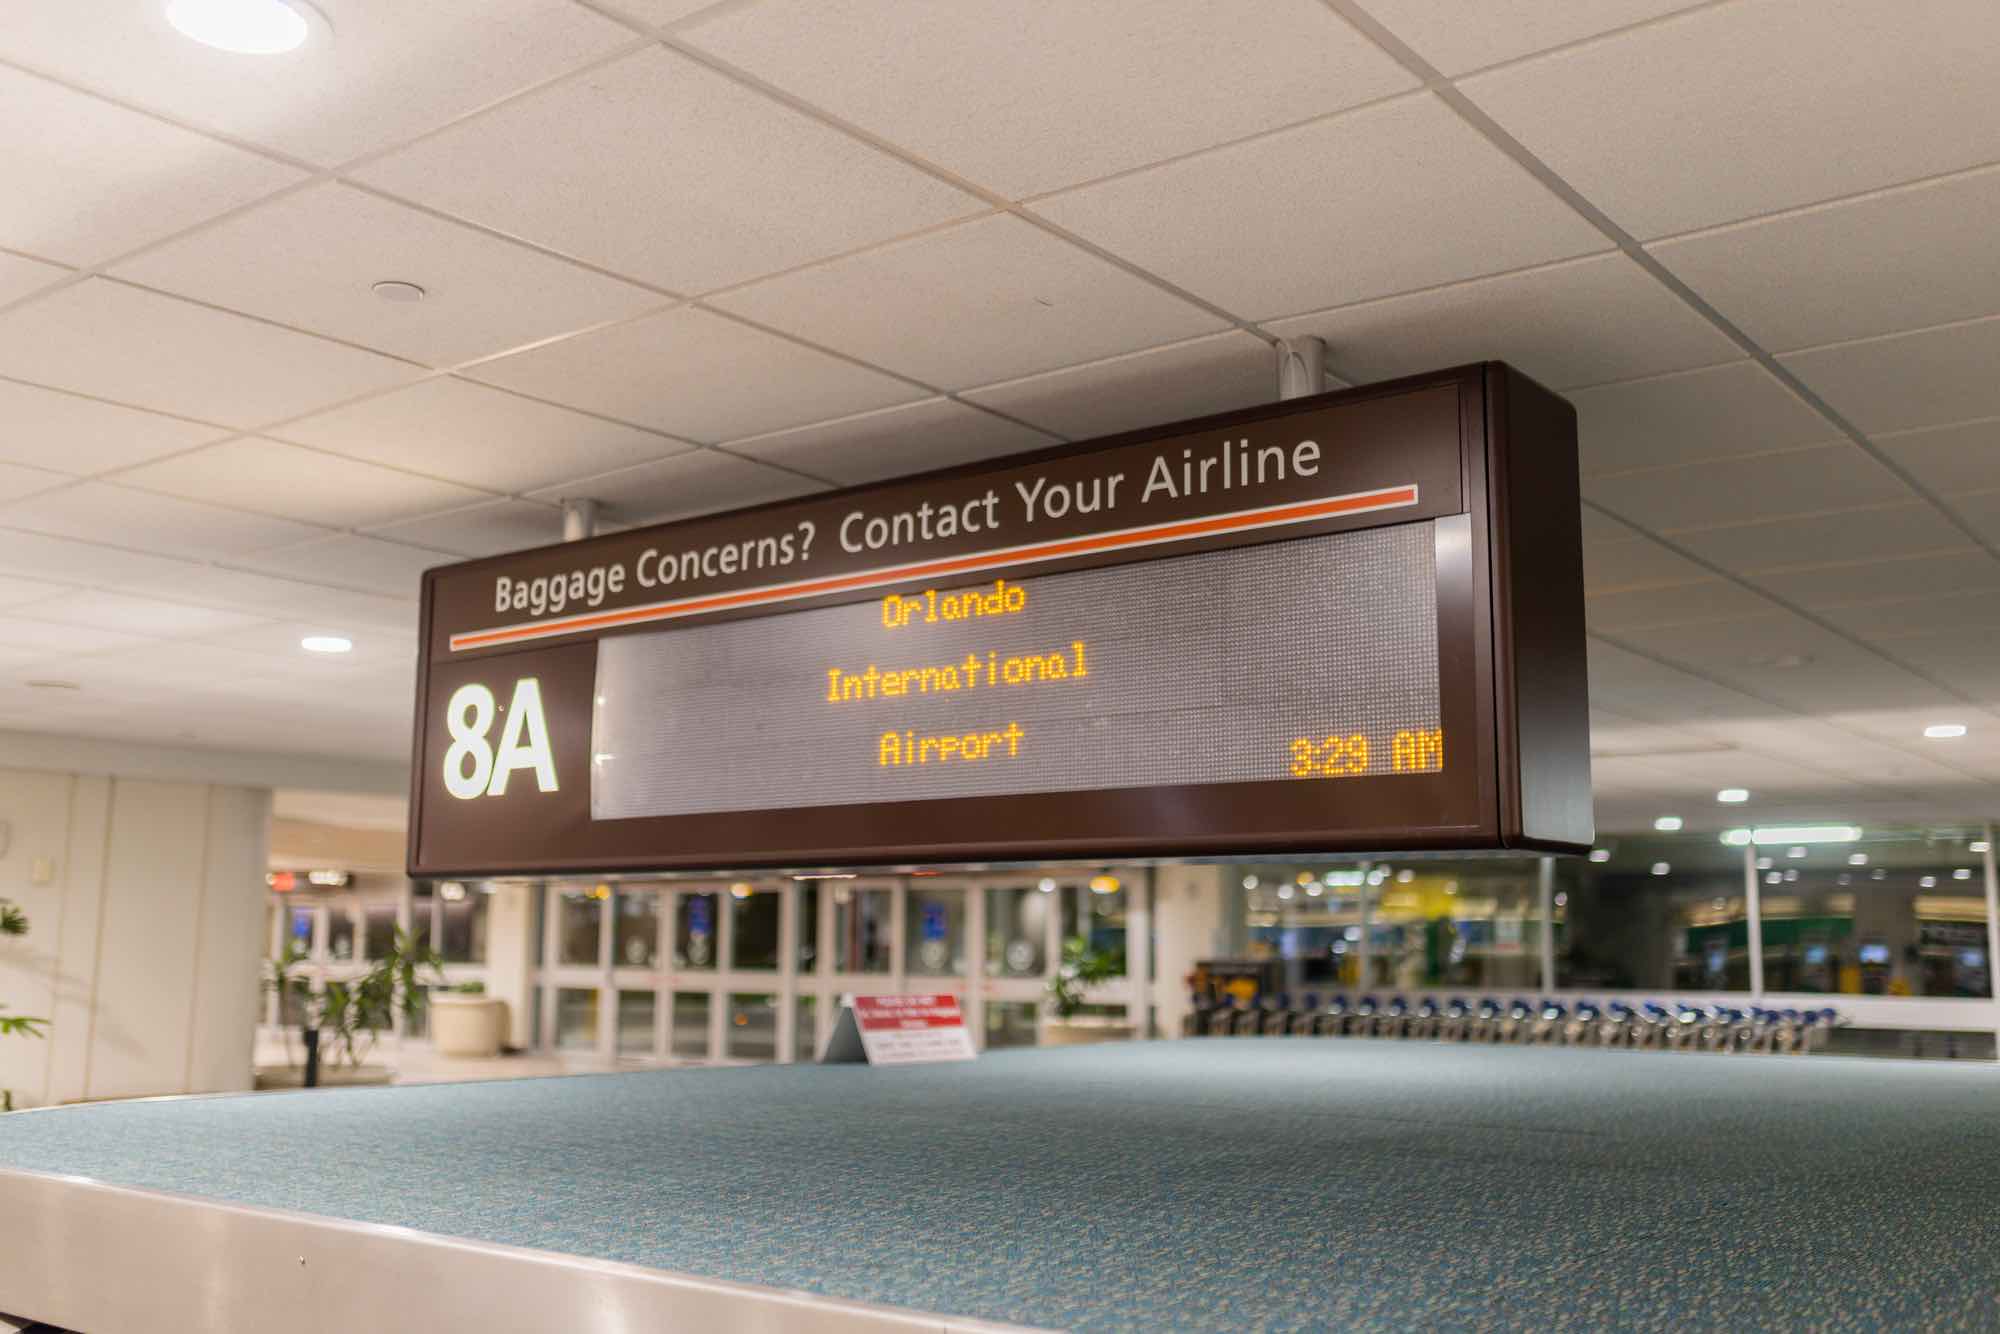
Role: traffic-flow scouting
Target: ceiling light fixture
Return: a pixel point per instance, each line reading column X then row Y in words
column 1978, row 845
column 1943, row 731
column 53, row 685
column 1667, row 824
column 1733, row 796
column 246, row 27
column 1794, row 833
column 1661, row 868
column 327, row 644
column 1600, row 855
column 1857, row 859
column 402, row 293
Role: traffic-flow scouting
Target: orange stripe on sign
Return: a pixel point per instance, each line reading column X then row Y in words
column 1394, row 497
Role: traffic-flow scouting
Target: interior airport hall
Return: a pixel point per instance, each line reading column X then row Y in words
column 962, row 666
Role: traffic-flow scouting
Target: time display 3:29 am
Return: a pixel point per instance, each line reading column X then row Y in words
column 1351, row 755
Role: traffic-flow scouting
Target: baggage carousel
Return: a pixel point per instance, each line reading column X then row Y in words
column 1221, row 1184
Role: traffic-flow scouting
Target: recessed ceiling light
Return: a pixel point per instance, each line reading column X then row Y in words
column 1600, row 854
column 395, row 289
column 1795, row 852
column 1941, row 731
column 1733, row 796
column 1772, row 878
column 1857, row 859
column 1661, row 868
column 246, row 27
column 1978, row 845
column 53, row 685
column 326, row 644
column 1927, row 882
column 1667, row 824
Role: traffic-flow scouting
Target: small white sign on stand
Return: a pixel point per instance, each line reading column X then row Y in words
column 898, row 1030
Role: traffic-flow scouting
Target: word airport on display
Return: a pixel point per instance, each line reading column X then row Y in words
column 1344, row 623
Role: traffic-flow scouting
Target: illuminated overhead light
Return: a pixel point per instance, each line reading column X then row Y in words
column 1857, row 859
column 825, row 875
column 1104, row 884
column 245, row 27
column 451, row 891
column 1791, row 876
column 1314, row 891
column 398, row 291
column 1284, row 891
column 1303, row 878
column 1379, row 875
column 1562, row 900
column 1846, row 879
column 1047, row 886
column 1249, row 882
column 1667, row 824
column 1406, row 875
column 1772, row 877
column 1878, row 874
column 1765, row 835
column 1942, row 731
column 1733, row 796
column 1600, row 854
column 1978, row 845
column 329, row 879
column 1962, row 873
column 327, row 644
column 1351, row 933
column 740, row 890
column 1661, row 868
column 1927, row 882
column 1764, row 863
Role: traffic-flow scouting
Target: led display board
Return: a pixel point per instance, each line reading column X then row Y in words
column 1345, row 623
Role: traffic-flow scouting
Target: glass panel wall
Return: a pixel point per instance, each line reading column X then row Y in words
column 934, row 932
column 576, row 1018
column 689, row 1035
column 861, row 930
column 752, row 1031
column 463, row 908
column 579, row 927
column 1017, row 929
column 694, row 930
column 753, row 926
column 635, row 941
column 635, row 1023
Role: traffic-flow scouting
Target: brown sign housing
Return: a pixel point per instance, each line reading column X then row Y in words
column 507, row 760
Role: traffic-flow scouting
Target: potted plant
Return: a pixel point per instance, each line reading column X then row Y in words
column 1080, row 969
column 465, row 1021
column 14, row 922
column 344, row 1020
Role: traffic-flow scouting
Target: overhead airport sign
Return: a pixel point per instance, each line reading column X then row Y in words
column 1351, row 622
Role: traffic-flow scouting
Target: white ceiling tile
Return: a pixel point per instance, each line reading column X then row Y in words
column 48, row 637
column 136, row 615
column 1904, row 259
column 14, row 592
column 47, row 428
column 92, row 180
column 1954, row 611
column 20, row 275
column 702, row 482
column 39, row 556
column 1016, row 299
column 213, row 586
column 1755, row 486
column 297, row 483
column 697, row 375
column 1167, row 384
column 482, row 530
column 1853, row 581
column 1982, row 510
column 479, row 436
column 1388, row 199
column 1963, row 660
column 100, row 511
column 1741, row 109
column 665, row 171
column 278, row 643
column 1633, row 563
column 17, row 481
column 390, row 70
column 1949, row 459
column 1617, row 323
column 118, row 342
column 1928, row 378
column 1687, row 417
column 1457, row 37
column 365, row 564
column 1030, row 98
column 895, row 442
column 1676, row 604
column 663, row 12
column 311, row 259
column 1873, row 533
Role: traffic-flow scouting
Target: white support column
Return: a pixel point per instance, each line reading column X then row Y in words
column 975, row 961
column 1992, row 933
column 824, row 1001
column 511, row 956
column 579, row 519
column 551, row 934
column 1365, row 955
column 1301, row 367
column 1754, row 908
column 1547, row 879
column 607, row 987
column 899, row 907
column 788, row 972
column 1139, row 954
column 725, row 954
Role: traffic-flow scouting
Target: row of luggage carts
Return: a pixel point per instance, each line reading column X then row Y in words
column 1682, row 1026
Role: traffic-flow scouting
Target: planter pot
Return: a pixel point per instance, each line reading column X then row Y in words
column 467, row 1025
column 1076, row 1032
